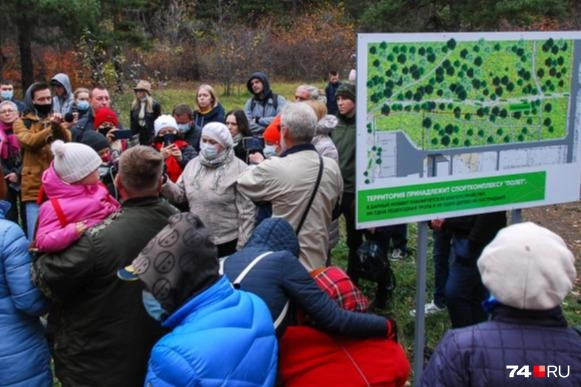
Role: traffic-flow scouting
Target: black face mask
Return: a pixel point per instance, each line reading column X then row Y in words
column 43, row 110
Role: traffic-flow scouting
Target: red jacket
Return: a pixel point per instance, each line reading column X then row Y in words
column 309, row 357
column 172, row 165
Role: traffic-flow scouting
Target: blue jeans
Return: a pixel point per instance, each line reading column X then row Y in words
column 441, row 256
column 31, row 209
column 464, row 289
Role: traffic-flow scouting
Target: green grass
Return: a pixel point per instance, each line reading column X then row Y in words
column 186, row 93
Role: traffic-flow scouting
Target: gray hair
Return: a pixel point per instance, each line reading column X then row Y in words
column 313, row 91
column 300, row 119
column 9, row 103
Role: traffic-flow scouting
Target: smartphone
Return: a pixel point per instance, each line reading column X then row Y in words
column 168, row 139
column 253, row 144
column 122, row 134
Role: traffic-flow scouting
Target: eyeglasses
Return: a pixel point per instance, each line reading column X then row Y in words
column 7, row 111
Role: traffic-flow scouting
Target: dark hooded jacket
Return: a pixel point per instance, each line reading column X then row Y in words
column 35, row 138
column 261, row 109
column 279, row 278
column 478, row 355
column 64, row 104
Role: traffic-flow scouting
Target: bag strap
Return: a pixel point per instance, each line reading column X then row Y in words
column 245, row 272
column 250, row 266
column 59, row 212
column 321, row 165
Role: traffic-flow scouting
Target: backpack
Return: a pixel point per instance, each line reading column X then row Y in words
column 274, row 97
column 373, row 264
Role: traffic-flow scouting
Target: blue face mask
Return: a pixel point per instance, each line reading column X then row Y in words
column 152, row 306
column 184, row 127
column 83, row 106
column 209, row 151
column 269, row 151
column 7, row 94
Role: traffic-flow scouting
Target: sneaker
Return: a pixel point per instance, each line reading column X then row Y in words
column 398, row 255
column 429, row 309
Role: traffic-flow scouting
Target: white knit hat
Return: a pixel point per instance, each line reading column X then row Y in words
column 164, row 121
column 218, row 132
column 74, row 161
column 528, row 267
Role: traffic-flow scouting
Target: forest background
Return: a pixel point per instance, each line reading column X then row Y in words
column 115, row 42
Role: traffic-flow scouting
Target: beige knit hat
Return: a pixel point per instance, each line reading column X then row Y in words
column 74, row 161
column 528, row 267
column 143, row 85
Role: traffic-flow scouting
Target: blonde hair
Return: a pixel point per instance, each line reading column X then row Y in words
column 318, row 106
column 210, row 90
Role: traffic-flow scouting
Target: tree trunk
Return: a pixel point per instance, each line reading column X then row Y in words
column 25, row 47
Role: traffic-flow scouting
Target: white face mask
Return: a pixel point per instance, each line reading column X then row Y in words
column 269, row 151
column 209, row 151
column 184, row 127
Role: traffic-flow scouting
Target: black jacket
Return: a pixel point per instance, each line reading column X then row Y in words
column 146, row 133
column 103, row 335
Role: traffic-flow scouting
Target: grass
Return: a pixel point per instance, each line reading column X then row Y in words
column 169, row 97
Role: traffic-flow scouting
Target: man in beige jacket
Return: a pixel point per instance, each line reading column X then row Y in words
column 288, row 182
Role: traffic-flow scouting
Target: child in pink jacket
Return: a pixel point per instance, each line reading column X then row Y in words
column 77, row 199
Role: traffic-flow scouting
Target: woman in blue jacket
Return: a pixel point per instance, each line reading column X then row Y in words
column 24, row 354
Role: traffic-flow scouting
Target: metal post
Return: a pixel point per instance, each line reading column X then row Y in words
column 516, row 216
column 419, row 340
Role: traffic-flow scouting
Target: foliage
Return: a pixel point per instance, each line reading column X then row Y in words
column 444, row 15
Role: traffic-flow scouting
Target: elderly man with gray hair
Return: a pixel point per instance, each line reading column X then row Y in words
column 308, row 92
column 302, row 186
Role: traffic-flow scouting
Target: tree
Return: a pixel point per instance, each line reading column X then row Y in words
column 38, row 21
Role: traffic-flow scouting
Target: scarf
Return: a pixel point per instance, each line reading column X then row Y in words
column 8, row 140
column 219, row 163
column 141, row 116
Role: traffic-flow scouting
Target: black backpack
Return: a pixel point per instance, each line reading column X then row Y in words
column 373, row 264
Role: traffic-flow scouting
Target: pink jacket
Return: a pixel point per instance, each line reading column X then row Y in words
column 80, row 203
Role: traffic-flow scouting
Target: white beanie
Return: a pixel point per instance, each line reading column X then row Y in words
column 74, row 161
column 218, row 132
column 528, row 267
column 164, row 121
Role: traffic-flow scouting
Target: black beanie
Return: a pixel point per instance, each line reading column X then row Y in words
column 95, row 140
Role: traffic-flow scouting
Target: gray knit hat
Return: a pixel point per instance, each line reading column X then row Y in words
column 74, row 161
column 218, row 132
column 346, row 90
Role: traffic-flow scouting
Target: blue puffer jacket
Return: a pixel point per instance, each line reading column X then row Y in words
column 280, row 277
column 24, row 355
column 478, row 355
column 220, row 337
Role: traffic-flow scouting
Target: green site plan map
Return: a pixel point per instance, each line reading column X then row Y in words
column 464, row 94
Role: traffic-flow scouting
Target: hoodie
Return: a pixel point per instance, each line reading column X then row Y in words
column 63, row 104
column 262, row 108
column 279, row 278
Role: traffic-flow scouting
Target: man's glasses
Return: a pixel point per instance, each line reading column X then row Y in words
column 6, row 111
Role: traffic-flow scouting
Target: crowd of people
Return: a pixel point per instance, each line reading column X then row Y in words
column 195, row 247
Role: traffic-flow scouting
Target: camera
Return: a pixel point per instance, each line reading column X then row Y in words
column 253, row 144
column 168, row 139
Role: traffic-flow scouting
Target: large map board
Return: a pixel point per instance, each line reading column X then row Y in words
column 456, row 124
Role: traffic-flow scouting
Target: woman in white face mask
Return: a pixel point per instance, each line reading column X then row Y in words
column 208, row 184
